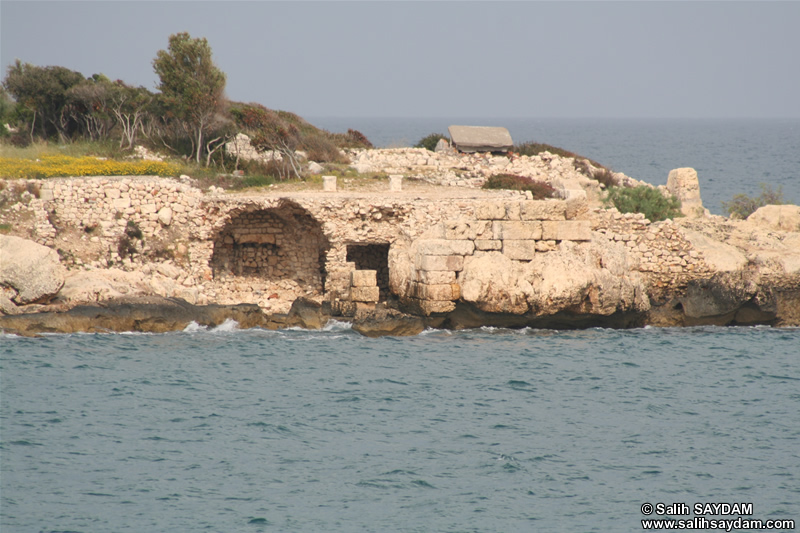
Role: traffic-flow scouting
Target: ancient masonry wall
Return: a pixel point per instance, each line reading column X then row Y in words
column 658, row 249
column 251, row 249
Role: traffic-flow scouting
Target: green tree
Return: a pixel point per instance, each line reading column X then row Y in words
column 87, row 104
column 42, row 93
column 130, row 106
column 7, row 111
column 192, row 87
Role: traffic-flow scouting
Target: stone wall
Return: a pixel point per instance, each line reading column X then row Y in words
column 271, row 249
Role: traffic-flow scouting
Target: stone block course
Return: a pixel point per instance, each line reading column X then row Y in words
column 445, row 247
column 364, row 294
column 516, row 230
column 568, row 230
column 486, row 245
column 364, row 278
column 490, row 210
column 465, row 229
column 543, row 210
column 436, row 277
column 424, row 291
column 453, row 263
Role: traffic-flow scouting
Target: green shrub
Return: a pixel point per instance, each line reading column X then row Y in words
column 742, row 206
column 429, row 142
column 646, row 200
column 538, row 189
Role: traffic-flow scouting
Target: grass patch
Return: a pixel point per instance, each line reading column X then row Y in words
column 50, row 166
column 512, row 182
column 646, row 200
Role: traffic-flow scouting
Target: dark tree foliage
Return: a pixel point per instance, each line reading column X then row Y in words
column 42, row 93
column 429, row 142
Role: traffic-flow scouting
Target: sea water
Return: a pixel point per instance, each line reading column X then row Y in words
column 485, row 430
column 731, row 156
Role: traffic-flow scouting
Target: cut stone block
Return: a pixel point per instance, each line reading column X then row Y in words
column 364, row 278
column 517, row 230
column 519, row 250
column 567, row 230
column 512, row 211
column 490, row 210
column 543, row 210
column 264, row 238
column 445, row 247
column 436, row 277
column 486, row 245
column 364, row 294
column 396, row 183
column 453, row 263
column 449, row 291
column 464, row 229
column 329, row 183
column 577, row 206
column 545, row 246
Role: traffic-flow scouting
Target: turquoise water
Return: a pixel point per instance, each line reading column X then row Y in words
column 485, row 430
column 731, row 156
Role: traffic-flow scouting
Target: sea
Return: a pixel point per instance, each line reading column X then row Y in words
column 484, row 430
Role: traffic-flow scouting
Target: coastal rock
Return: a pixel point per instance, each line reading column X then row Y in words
column 777, row 217
column 570, row 279
column 150, row 315
column 32, row 270
column 387, row 322
column 306, row 314
column 100, row 285
column 315, row 168
column 719, row 256
column 684, row 185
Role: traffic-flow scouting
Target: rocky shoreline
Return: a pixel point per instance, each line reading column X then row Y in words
column 156, row 254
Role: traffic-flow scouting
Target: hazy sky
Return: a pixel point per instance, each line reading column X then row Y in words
column 436, row 59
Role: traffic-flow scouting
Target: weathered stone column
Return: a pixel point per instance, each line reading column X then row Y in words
column 329, row 183
column 396, row 183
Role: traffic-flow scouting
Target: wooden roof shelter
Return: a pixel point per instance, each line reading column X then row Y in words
column 480, row 138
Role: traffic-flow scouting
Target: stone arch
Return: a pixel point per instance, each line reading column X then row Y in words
column 280, row 243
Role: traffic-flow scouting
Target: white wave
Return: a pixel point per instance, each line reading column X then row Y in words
column 430, row 331
column 336, row 325
column 194, row 327
column 227, row 326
